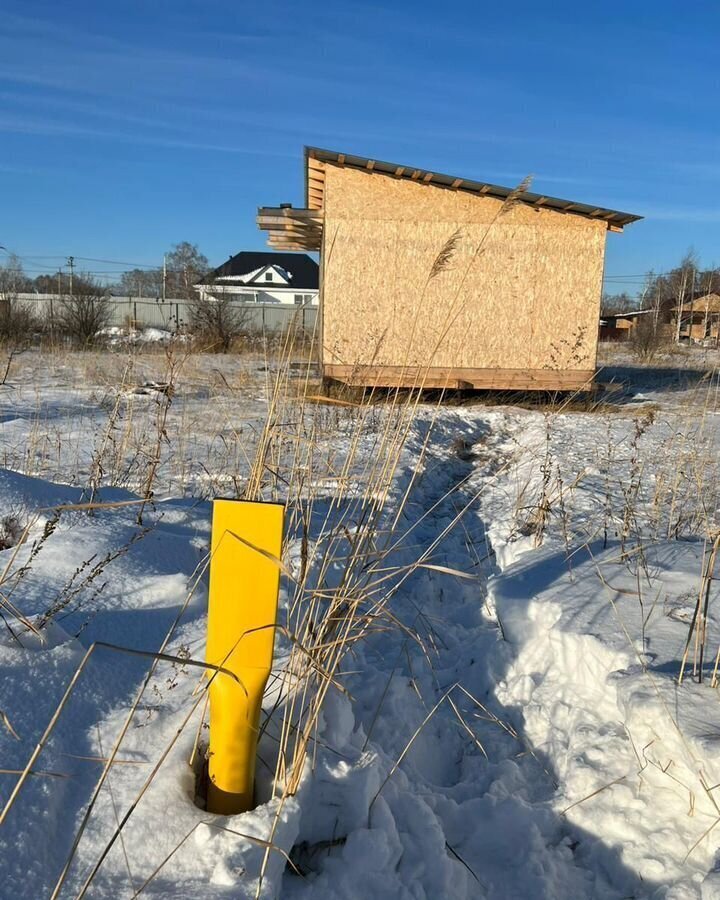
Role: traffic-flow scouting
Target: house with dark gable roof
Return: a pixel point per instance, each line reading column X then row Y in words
column 291, row 279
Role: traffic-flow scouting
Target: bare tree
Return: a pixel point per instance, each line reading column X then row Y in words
column 613, row 304
column 687, row 277
column 142, row 283
column 17, row 321
column 217, row 318
column 12, row 276
column 186, row 265
column 85, row 312
column 50, row 283
column 648, row 336
column 183, row 267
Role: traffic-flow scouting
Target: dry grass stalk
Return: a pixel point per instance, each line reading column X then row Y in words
column 447, row 251
column 698, row 623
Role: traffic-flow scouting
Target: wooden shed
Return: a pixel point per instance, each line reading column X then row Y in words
column 437, row 281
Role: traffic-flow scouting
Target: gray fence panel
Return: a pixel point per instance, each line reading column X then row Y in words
column 174, row 315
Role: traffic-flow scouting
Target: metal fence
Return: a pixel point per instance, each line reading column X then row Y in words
column 174, row 315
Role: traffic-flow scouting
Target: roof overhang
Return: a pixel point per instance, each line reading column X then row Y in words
column 301, row 229
column 698, row 307
column 316, row 159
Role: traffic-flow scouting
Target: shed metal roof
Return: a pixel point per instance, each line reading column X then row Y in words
column 314, row 185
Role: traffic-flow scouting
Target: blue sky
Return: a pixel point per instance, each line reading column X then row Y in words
column 127, row 127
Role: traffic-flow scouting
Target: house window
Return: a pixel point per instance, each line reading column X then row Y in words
column 268, row 276
column 299, row 299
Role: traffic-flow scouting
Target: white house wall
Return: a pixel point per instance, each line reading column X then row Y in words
column 259, row 293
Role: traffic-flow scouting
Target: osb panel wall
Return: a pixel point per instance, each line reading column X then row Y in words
column 521, row 288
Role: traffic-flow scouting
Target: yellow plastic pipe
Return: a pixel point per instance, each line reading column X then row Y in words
column 242, row 611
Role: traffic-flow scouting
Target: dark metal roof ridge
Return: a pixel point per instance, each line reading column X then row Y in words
column 610, row 216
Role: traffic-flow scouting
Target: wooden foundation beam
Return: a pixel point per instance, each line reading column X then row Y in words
column 463, row 378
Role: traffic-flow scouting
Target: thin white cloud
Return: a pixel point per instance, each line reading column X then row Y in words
column 698, row 215
column 28, row 126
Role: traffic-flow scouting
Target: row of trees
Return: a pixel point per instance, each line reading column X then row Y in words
column 681, row 284
column 667, row 290
column 670, row 297
column 184, row 266
column 615, row 304
column 81, row 312
column 81, row 315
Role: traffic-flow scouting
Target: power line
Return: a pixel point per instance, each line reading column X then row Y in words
column 634, row 279
column 154, row 266
column 112, row 262
column 117, row 262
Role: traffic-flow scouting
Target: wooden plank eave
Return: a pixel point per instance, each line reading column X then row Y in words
column 289, row 228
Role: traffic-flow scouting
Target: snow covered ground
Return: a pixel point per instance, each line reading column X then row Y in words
column 519, row 732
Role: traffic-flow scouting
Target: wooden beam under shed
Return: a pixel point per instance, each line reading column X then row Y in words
column 290, row 212
column 462, row 378
column 292, row 231
column 295, row 243
column 292, row 245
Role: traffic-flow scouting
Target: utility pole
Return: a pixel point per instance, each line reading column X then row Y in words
column 71, row 263
column 164, row 281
